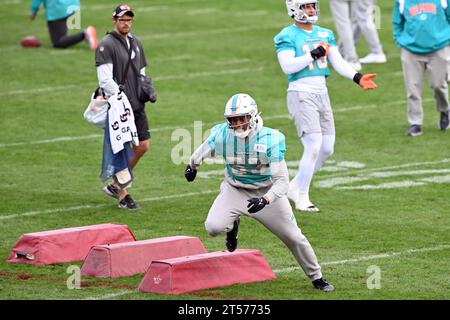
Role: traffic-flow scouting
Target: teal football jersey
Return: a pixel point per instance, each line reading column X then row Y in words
column 248, row 160
column 302, row 42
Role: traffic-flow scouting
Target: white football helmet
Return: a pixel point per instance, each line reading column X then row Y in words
column 242, row 104
column 294, row 9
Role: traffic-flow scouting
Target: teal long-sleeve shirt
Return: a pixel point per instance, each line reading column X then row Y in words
column 422, row 26
column 56, row 9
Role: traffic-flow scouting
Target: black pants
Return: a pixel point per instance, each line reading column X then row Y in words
column 58, row 34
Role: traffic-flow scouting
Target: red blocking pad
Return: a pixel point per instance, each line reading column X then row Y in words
column 129, row 258
column 205, row 271
column 66, row 245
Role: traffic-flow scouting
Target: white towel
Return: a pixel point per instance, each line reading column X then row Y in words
column 121, row 122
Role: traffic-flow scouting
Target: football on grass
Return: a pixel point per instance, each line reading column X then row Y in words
column 30, row 42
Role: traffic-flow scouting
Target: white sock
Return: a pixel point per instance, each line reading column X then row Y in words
column 311, row 148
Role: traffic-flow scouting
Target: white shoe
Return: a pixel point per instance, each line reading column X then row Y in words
column 355, row 65
column 308, row 208
column 374, row 58
column 302, row 202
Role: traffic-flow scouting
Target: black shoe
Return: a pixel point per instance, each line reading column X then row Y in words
column 444, row 121
column 321, row 284
column 232, row 237
column 128, row 203
column 414, row 130
column 112, row 191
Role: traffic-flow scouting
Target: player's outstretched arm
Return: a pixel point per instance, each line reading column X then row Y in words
column 345, row 70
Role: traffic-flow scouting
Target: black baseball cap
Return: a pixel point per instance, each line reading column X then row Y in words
column 121, row 10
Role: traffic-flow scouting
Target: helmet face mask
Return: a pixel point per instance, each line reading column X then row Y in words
column 240, row 127
column 295, row 9
column 241, row 105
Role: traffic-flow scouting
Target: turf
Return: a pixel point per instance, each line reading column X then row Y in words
column 200, row 53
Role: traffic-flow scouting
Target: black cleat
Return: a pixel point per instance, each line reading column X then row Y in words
column 128, row 203
column 321, row 284
column 232, row 237
column 444, row 121
column 112, row 191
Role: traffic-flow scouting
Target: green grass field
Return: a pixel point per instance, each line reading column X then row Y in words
column 383, row 196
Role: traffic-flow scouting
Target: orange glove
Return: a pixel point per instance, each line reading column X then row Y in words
column 365, row 81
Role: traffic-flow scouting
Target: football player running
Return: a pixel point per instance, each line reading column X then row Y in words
column 304, row 50
column 256, row 182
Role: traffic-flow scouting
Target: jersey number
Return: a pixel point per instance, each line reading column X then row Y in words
column 322, row 62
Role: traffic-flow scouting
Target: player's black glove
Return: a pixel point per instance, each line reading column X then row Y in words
column 256, row 204
column 190, row 173
column 318, row 52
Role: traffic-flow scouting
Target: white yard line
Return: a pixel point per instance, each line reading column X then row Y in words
column 137, row 6
column 332, row 182
column 194, row 12
column 406, row 165
column 95, row 136
column 371, row 257
column 229, row 62
column 7, row 216
column 387, row 185
column 198, row 33
column 174, row 58
column 323, row 264
column 38, row 90
column 152, row 8
column 161, row 78
column 111, row 295
column 209, row 74
column 59, row 139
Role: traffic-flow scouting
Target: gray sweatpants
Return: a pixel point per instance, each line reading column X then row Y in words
column 363, row 24
column 342, row 13
column 414, row 68
column 278, row 217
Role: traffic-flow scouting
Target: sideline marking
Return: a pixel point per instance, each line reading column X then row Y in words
column 58, row 210
column 371, row 257
column 92, row 136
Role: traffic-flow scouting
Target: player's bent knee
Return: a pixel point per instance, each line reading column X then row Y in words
column 213, row 229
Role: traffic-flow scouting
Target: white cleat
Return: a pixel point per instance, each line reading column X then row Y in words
column 301, row 201
column 374, row 58
column 311, row 208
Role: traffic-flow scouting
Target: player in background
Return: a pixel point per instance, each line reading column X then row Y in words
column 304, row 50
column 256, row 182
column 422, row 32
